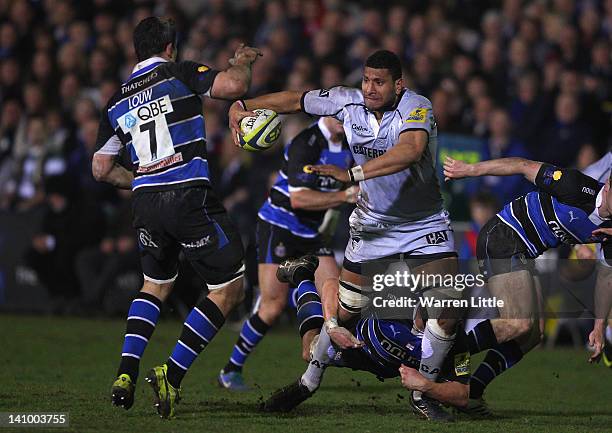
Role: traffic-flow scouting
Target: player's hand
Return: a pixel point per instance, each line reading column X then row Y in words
column 245, row 55
column 596, row 341
column 584, row 252
column 605, row 232
column 455, row 169
column 343, row 338
column 331, row 171
column 236, row 114
column 412, row 379
column 351, row 194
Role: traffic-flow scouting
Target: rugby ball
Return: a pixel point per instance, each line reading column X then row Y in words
column 260, row 131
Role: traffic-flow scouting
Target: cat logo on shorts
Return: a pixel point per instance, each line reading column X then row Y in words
column 355, row 243
column 437, row 238
column 280, row 250
column 462, row 364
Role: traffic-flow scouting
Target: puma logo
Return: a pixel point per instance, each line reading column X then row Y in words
column 572, row 217
column 394, row 331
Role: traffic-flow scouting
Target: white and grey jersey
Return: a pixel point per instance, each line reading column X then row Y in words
column 408, row 195
column 600, row 170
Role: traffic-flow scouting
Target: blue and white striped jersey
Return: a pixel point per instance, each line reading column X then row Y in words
column 563, row 210
column 157, row 116
column 312, row 146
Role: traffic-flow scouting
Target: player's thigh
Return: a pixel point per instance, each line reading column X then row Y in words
column 158, row 249
column 503, row 260
column 271, row 289
column 209, row 240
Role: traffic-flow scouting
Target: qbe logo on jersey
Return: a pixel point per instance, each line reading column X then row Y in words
column 146, row 122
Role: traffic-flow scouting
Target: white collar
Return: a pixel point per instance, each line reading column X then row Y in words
column 148, row 62
column 326, row 132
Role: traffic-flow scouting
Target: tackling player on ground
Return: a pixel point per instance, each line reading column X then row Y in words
column 391, row 348
column 568, row 207
column 393, row 135
column 157, row 117
column 288, row 226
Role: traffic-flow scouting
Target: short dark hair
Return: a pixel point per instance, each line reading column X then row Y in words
column 485, row 199
column 152, row 35
column 385, row 59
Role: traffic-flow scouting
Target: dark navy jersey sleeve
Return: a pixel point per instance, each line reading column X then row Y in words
column 199, row 78
column 302, row 153
column 568, row 185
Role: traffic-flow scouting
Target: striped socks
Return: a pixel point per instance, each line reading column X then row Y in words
column 481, row 337
column 251, row 334
column 497, row 360
column 141, row 321
column 199, row 328
column 309, row 307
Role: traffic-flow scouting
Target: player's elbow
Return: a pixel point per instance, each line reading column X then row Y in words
column 297, row 200
column 236, row 88
column 100, row 167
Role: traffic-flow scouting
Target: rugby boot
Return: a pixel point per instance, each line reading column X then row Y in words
column 166, row 396
column 287, row 398
column 122, row 392
column 297, row 270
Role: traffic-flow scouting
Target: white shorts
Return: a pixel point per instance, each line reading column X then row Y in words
column 602, row 258
column 370, row 238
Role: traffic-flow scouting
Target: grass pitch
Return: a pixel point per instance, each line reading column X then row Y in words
column 68, row 365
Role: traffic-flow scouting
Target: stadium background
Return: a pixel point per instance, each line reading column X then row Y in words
column 506, row 78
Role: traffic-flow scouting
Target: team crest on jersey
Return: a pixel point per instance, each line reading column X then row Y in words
column 280, row 250
column 418, row 115
column 462, row 364
column 549, row 175
column 130, row 121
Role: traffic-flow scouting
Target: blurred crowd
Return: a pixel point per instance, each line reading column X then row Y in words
column 528, row 78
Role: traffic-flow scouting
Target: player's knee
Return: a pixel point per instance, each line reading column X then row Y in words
column 448, row 326
column 521, row 327
column 436, row 328
column 160, row 291
column 231, row 294
column 271, row 307
column 352, row 297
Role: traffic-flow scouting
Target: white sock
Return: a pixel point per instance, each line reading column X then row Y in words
column 320, row 359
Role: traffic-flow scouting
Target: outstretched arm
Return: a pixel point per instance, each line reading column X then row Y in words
column 234, row 82
column 281, row 102
column 455, row 169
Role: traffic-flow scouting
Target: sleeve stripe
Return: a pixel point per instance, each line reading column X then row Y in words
column 111, row 147
column 302, row 103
